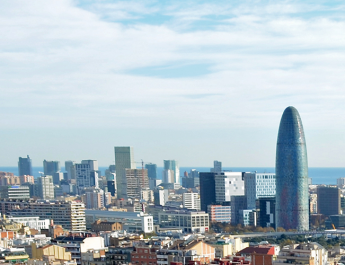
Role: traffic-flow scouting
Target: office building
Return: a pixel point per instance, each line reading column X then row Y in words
column 191, row 201
column 124, row 159
column 132, row 221
column 228, row 184
column 45, row 187
column 328, row 200
column 14, row 192
column 172, row 165
column 341, row 182
column 191, row 180
column 267, row 212
column 136, row 180
column 238, row 204
column 70, row 169
column 25, row 166
column 151, row 170
column 57, row 177
column 86, row 174
column 51, row 167
column 187, row 221
column 154, row 183
column 207, row 189
column 217, row 167
column 219, row 213
column 259, row 185
column 168, row 176
column 70, row 215
column 292, row 204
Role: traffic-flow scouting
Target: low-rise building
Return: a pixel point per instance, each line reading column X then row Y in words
column 188, row 221
column 106, row 226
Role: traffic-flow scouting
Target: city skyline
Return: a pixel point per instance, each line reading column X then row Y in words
column 192, row 81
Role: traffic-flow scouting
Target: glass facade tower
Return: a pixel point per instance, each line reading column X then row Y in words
column 292, row 209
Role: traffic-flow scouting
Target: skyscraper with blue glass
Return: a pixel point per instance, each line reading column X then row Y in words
column 292, row 210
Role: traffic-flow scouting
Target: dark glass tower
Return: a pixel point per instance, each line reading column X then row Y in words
column 292, row 209
column 24, row 166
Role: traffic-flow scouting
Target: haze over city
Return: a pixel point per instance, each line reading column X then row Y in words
column 195, row 81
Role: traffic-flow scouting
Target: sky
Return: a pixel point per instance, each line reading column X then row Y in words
column 194, row 81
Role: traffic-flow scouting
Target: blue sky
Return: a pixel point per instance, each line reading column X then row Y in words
column 194, row 81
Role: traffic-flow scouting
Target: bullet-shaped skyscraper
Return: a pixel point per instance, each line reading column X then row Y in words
column 292, row 209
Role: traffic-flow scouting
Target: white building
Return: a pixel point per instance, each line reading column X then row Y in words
column 191, row 201
column 132, row 221
column 33, row 222
column 188, row 221
column 94, row 199
column 168, row 176
column 228, row 184
column 46, row 187
column 161, row 196
column 259, row 185
column 341, row 182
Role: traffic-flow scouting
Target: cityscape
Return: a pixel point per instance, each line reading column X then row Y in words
column 152, row 132
column 130, row 215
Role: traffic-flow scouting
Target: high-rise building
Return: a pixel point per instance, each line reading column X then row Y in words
column 94, row 199
column 341, row 182
column 267, row 212
column 45, row 187
column 259, row 185
column 207, row 189
column 168, row 176
column 173, row 165
column 86, row 174
column 328, row 200
column 292, row 206
column 238, row 204
column 217, row 167
column 70, row 169
column 151, row 170
column 25, row 166
column 160, row 196
column 228, row 184
column 51, row 167
column 124, row 159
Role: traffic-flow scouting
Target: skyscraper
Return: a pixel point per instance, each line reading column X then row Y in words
column 124, row 159
column 86, row 174
column 51, row 167
column 152, row 170
column 292, row 209
column 24, row 166
column 172, row 165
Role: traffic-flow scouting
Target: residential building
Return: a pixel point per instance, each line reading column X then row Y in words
column 71, row 215
column 33, row 222
column 99, row 226
column 172, row 165
column 248, row 217
column 191, row 201
column 118, row 255
column 188, row 221
column 145, row 255
column 94, row 199
column 190, row 182
column 7, row 178
column 341, row 182
column 259, row 255
column 136, row 180
column 51, row 167
column 24, row 166
column 328, row 200
column 259, row 185
column 305, row 253
column 168, row 176
column 51, row 252
column 219, row 213
column 26, row 179
column 151, row 170
column 124, row 159
column 292, row 204
column 132, row 221
column 45, row 187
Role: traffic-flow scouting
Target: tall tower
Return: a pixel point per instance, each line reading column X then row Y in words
column 124, row 159
column 292, row 210
column 172, row 165
column 24, row 166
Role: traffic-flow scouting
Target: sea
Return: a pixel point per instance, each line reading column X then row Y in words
column 318, row 175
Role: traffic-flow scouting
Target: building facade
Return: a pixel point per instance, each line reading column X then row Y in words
column 86, row 174
column 328, row 200
column 228, row 184
column 219, row 213
column 24, row 166
column 172, row 165
column 124, row 159
column 137, row 181
column 45, row 187
column 191, row 201
column 292, row 207
column 151, row 170
column 51, row 167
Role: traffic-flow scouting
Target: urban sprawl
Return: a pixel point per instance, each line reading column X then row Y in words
column 129, row 215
